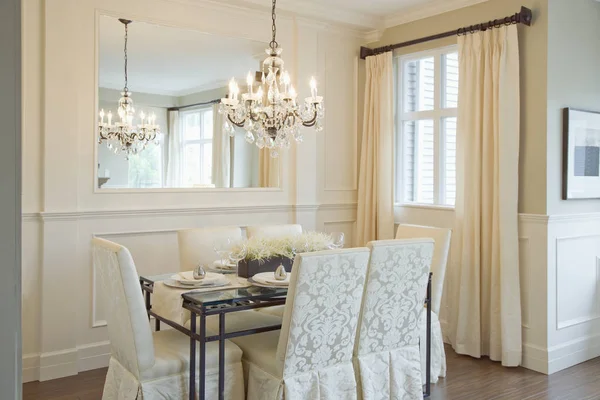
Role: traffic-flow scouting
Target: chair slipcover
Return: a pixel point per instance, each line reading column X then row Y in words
column 197, row 245
column 386, row 352
column 439, row 262
column 271, row 231
column 311, row 357
column 146, row 365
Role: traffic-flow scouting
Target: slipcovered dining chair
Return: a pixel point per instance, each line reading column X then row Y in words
column 442, row 238
column 196, row 246
column 386, row 352
column 270, row 231
column 311, row 357
column 146, row 365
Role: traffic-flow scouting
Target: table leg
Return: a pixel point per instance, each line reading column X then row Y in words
column 192, row 392
column 148, row 306
column 202, row 366
column 157, row 325
column 221, row 356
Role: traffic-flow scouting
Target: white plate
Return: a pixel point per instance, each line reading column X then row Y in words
column 174, row 284
column 268, row 278
column 187, row 279
column 224, row 266
column 254, row 283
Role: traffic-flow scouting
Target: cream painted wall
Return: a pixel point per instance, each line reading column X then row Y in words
column 63, row 330
column 573, row 81
column 533, row 56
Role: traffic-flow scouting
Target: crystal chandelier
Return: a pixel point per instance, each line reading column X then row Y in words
column 124, row 136
column 270, row 114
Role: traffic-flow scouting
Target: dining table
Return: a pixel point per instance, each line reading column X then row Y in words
column 223, row 301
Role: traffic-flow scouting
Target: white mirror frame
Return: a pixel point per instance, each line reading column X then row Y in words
column 96, row 189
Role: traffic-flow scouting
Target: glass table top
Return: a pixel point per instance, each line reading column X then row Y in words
column 225, row 295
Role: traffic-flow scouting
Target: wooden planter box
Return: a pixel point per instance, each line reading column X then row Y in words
column 247, row 269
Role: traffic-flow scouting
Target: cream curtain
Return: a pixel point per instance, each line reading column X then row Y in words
column 221, row 156
column 268, row 169
column 486, row 311
column 174, row 153
column 375, row 218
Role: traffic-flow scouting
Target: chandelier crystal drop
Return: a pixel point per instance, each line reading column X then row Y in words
column 270, row 114
column 123, row 136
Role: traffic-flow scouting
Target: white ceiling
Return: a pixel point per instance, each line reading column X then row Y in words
column 366, row 15
column 172, row 61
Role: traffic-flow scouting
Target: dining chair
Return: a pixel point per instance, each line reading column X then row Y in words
column 442, row 238
column 386, row 351
column 146, row 364
column 311, row 357
column 196, row 246
column 270, row 231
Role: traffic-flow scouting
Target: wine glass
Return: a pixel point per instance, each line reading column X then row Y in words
column 221, row 247
column 237, row 251
column 337, row 240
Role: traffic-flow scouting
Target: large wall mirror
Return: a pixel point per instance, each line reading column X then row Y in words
column 176, row 78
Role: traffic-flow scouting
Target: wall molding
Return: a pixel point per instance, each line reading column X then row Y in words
column 170, row 212
column 564, row 324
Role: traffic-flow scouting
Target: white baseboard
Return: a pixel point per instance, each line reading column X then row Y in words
column 535, row 358
column 572, row 353
column 31, row 367
column 59, row 364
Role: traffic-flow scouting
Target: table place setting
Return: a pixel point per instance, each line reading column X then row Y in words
column 260, row 262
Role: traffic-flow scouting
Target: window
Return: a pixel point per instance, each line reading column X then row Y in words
column 146, row 168
column 197, row 135
column 427, row 98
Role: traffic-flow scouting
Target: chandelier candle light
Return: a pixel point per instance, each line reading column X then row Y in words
column 124, row 136
column 270, row 114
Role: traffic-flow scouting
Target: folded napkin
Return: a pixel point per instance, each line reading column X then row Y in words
column 168, row 303
column 188, row 277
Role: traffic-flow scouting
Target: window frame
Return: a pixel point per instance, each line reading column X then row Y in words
column 436, row 115
column 202, row 141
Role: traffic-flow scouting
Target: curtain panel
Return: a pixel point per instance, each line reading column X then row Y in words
column 375, row 216
column 485, row 312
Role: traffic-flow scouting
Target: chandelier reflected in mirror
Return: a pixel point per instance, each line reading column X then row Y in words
column 123, row 136
column 271, row 114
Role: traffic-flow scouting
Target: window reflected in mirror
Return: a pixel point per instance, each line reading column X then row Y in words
column 175, row 79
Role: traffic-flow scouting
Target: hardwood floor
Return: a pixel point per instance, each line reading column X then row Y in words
column 468, row 379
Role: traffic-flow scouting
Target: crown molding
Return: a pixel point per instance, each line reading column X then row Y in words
column 375, row 35
column 428, row 10
column 292, row 8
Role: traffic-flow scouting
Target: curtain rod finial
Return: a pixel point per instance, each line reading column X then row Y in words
column 365, row 52
column 526, row 16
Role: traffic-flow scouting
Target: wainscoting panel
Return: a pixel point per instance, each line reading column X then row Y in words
column 573, row 290
column 577, row 280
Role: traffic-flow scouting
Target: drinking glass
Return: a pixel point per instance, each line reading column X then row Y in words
column 337, row 240
column 221, row 247
column 237, row 251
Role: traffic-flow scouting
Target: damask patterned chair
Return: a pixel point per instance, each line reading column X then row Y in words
column 269, row 231
column 311, row 357
column 439, row 262
column 146, row 365
column 197, row 245
column 386, row 354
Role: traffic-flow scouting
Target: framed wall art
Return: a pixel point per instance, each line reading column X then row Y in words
column 581, row 154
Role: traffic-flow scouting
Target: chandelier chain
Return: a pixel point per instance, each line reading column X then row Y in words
column 274, row 43
column 126, row 89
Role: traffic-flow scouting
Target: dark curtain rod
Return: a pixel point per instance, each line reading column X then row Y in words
column 525, row 17
column 206, row 103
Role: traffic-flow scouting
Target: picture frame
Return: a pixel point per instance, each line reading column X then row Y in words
column 581, row 154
